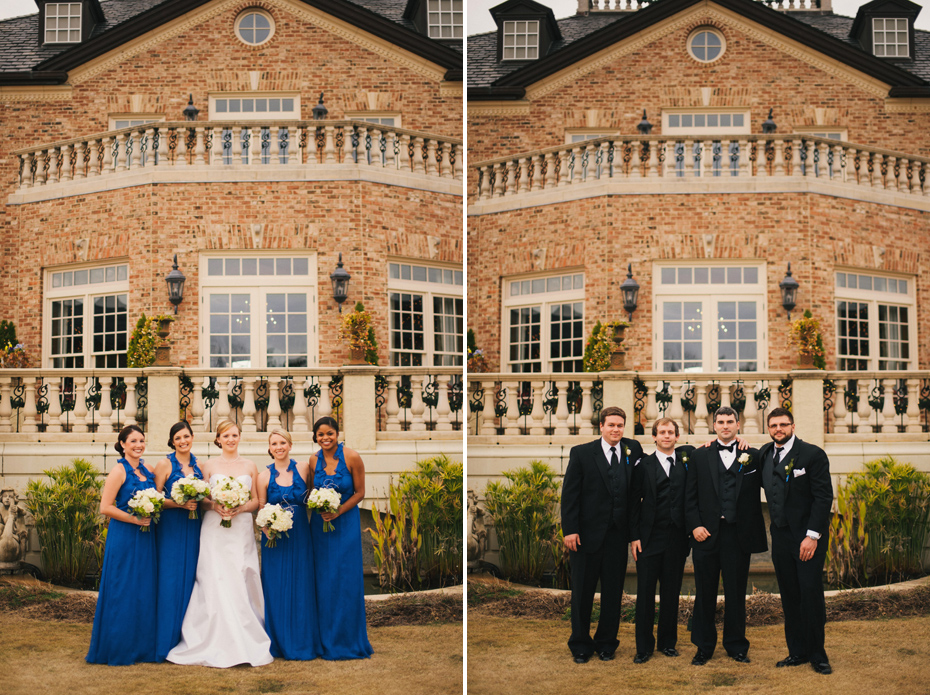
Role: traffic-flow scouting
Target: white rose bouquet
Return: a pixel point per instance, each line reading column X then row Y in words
column 325, row 499
column 189, row 488
column 230, row 493
column 274, row 520
column 147, row 503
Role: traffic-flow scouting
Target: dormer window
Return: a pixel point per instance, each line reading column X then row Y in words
column 444, row 19
column 521, row 40
column 890, row 37
column 63, row 22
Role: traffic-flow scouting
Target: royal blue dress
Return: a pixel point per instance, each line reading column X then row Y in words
column 287, row 576
column 178, row 545
column 340, row 592
column 121, row 634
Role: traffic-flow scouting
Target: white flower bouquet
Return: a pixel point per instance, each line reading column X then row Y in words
column 230, row 493
column 190, row 488
column 274, row 520
column 147, row 503
column 325, row 499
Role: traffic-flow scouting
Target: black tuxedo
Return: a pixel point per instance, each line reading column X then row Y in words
column 596, row 506
column 799, row 501
column 657, row 520
column 712, row 492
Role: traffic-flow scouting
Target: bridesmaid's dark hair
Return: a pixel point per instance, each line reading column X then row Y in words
column 124, row 435
column 177, row 427
column 326, row 420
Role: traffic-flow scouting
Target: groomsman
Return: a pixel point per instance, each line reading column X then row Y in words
column 660, row 539
column 723, row 511
column 799, row 491
column 595, row 525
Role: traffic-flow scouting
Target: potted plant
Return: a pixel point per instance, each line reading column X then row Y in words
column 805, row 336
column 357, row 331
column 604, row 349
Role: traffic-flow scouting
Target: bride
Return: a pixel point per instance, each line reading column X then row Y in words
column 224, row 624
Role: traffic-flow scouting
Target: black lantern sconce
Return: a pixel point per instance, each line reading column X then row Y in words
column 644, row 126
column 768, row 125
column 340, row 279
column 630, row 291
column 789, row 292
column 175, row 280
column 191, row 111
column 319, row 111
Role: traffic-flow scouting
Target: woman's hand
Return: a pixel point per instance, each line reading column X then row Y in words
column 329, row 516
column 143, row 521
column 190, row 506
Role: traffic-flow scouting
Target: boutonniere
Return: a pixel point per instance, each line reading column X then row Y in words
column 684, row 460
column 788, row 469
column 742, row 460
column 627, row 449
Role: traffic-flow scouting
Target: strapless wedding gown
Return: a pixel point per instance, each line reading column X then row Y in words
column 225, row 620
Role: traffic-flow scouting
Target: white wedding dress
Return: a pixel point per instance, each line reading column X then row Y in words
column 225, row 621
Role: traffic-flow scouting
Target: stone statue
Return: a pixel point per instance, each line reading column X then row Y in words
column 477, row 533
column 12, row 530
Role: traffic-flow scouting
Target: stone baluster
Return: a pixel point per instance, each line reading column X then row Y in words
column 864, row 409
column 93, row 163
column 238, row 154
column 443, row 410
column 587, row 407
column 26, row 181
column 823, row 171
column 390, row 405
column 197, row 406
column 135, row 142
column 912, row 423
column 105, row 409
column 561, row 409
column 312, row 154
column 329, row 145
column 53, row 164
column 199, row 149
column 390, row 161
column 524, row 184
column 778, row 157
column 406, row 164
column 181, row 152
column 652, row 164
column 274, row 405
column 904, row 167
column 299, row 409
column 636, row 160
column 675, row 411
column 707, row 152
column 351, row 152
column 840, row 426
column 511, row 420
column 761, row 169
column 6, row 407
column 417, row 406
column 576, row 168
column 873, row 168
column 132, row 408
column 418, row 164
column 700, row 409
column 325, row 406
column 120, row 163
column 30, row 413
column 40, row 175
column 431, row 168
column 249, row 423
column 913, row 184
column 536, row 176
column 744, row 166
column 458, row 168
column 274, row 149
column 255, row 145
column 81, row 420
column 795, row 156
column 839, row 172
column 538, row 414
column 487, row 424
column 751, row 411
column 651, row 410
column 500, row 171
column 54, row 403
column 889, row 417
column 510, row 187
column 924, row 183
column 66, row 170
column 161, row 152
column 564, row 156
column 215, row 154
column 484, row 183
column 445, row 164
column 551, row 181
column 222, row 399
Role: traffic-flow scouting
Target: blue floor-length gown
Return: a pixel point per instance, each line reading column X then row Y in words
column 287, row 576
column 337, row 555
column 178, row 545
column 122, row 634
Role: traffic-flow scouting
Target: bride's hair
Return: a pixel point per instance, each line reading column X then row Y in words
column 281, row 432
column 221, row 427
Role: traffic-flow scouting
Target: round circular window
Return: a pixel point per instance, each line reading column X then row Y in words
column 254, row 27
column 706, row 45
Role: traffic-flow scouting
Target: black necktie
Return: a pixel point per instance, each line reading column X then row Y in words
column 724, row 447
column 671, row 465
column 614, row 460
column 778, row 452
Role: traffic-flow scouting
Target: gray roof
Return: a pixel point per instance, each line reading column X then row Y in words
column 484, row 69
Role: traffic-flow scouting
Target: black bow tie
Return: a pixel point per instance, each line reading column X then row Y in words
column 724, row 447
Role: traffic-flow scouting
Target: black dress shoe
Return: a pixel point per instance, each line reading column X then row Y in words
column 700, row 658
column 670, row 651
column 605, row 656
column 792, row 661
column 741, row 658
column 642, row 657
column 581, row 659
column 822, row 667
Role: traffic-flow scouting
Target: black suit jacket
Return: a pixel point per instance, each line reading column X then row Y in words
column 587, row 505
column 643, row 513
column 702, row 501
column 809, row 494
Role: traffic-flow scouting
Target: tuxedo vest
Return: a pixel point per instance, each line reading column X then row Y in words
column 728, row 480
column 776, row 493
column 617, row 477
column 663, row 518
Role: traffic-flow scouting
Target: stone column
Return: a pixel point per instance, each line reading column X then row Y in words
column 618, row 391
column 359, row 417
column 164, row 393
column 807, row 405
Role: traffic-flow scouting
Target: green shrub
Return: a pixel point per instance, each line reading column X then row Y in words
column 141, row 349
column 848, row 541
column 897, row 516
column 66, row 513
column 525, row 513
column 397, row 542
column 436, row 485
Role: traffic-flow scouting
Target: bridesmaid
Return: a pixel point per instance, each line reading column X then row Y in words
column 177, row 541
column 127, row 583
column 287, row 568
column 340, row 593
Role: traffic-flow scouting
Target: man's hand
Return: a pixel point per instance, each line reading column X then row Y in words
column 808, row 547
column 700, row 534
column 572, row 541
column 637, row 548
column 741, row 443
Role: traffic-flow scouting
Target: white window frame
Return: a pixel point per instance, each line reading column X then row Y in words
column 573, row 135
column 693, row 52
column 545, row 300
column 242, row 100
column 710, row 295
column 880, row 26
column 669, row 126
column 838, row 133
column 377, row 117
column 428, row 291
column 259, row 287
column 874, row 298
column 529, row 37
column 87, row 292
column 133, row 119
column 247, row 13
column 444, row 19
column 70, row 8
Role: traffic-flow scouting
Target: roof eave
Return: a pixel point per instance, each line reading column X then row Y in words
column 33, row 78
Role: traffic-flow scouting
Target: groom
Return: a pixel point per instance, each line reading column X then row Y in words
column 596, row 497
column 799, row 491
